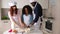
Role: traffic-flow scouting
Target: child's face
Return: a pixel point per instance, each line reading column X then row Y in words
column 26, row 10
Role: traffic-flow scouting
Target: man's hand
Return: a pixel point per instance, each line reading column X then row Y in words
column 31, row 24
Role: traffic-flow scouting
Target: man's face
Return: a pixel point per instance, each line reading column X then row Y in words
column 33, row 4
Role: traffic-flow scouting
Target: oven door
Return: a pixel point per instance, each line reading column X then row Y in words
column 48, row 25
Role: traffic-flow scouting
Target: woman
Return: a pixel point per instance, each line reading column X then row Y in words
column 27, row 16
column 14, row 16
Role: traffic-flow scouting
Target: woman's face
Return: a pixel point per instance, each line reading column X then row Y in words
column 26, row 10
column 14, row 8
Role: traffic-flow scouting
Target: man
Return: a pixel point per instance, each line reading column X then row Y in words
column 37, row 11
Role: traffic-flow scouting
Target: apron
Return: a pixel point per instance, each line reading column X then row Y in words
column 33, row 12
column 36, row 25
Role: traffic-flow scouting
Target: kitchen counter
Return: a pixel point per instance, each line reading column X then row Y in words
column 30, row 32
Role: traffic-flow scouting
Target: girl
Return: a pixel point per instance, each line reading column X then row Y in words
column 27, row 16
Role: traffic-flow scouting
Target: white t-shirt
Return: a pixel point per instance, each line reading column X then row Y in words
column 27, row 19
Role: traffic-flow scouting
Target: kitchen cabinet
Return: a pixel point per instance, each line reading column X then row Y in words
column 21, row 3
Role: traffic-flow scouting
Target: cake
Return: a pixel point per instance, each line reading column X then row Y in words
column 26, row 30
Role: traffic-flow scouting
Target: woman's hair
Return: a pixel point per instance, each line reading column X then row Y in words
column 28, row 8
column 12, row 10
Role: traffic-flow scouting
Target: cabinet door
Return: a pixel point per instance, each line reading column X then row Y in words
column 44, row 3
column 4, row 25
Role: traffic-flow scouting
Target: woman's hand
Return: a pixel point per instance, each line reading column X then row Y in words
column 23, row 25
column 15, row 31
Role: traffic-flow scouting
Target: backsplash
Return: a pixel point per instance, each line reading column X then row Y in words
column 4, row 12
